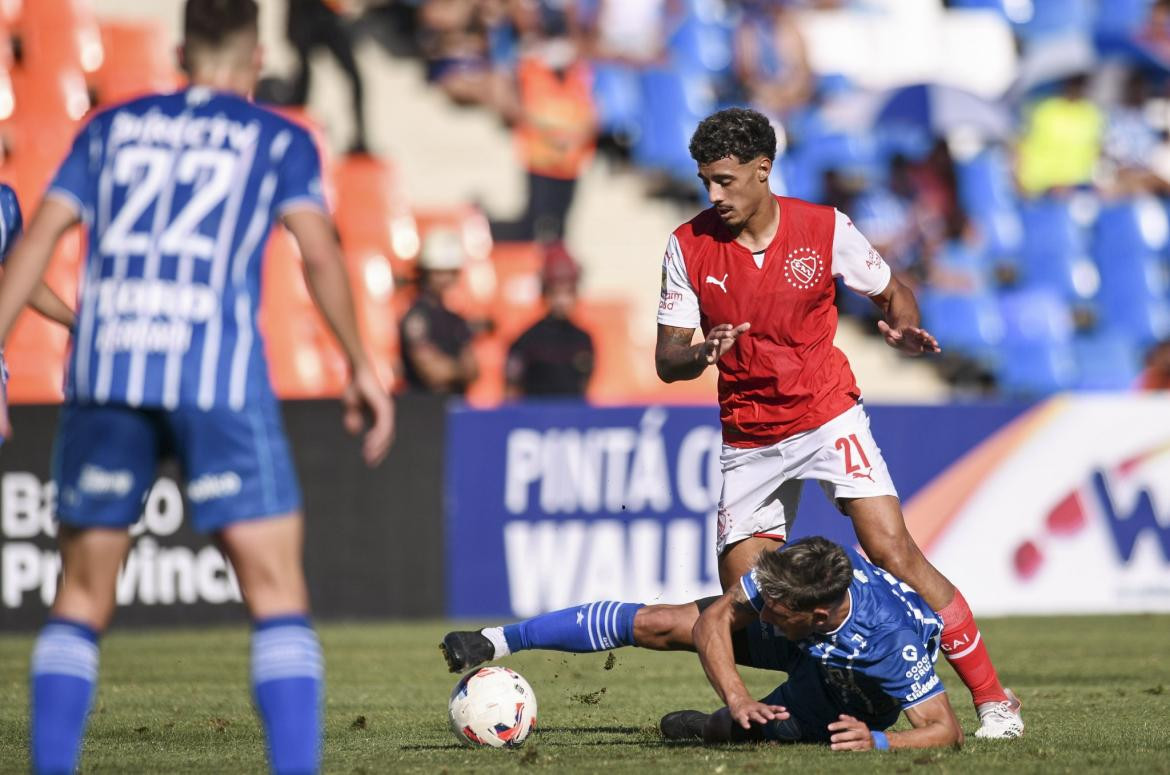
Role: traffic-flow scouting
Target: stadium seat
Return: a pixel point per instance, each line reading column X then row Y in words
column 137, row 61
column 487, row 391
column 1106, row 361
column 673, row 103
column 617, row 95
column 517, row 301
column 1147, row 320
column 987, row 193
column 1136, row 226
column 616, row 371
column 968, row 323
column 702, row 45
column 59, row 33
column 373, row 213
column 1055, row 250
column 304, row 361
column 1036, row 368
column 1035, row 314
column 1121, row 18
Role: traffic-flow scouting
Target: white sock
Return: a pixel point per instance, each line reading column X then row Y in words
column 496, row 636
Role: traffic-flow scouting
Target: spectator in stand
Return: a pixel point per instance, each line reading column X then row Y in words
column 1132, row 143
column 316, row 24
column 771, row 61
column 556, row 131
column 631, row 32
column 1061, row 144
column 1156, row 375
column 554, row 357
column 436, row 342
column 454, row 38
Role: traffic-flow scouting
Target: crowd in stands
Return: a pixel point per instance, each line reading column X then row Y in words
column 1037, row 239
column 1034, row 227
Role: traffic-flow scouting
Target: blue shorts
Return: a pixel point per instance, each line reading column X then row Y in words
column 809, row 702
column 236, row 464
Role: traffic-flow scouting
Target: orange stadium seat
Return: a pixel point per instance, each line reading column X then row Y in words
column 373, row 213
column 490, row 353
column 53, row 33
column 137, row 61
column 517, row 300
column 373, row 285
column 304, row 360
column 10, row 12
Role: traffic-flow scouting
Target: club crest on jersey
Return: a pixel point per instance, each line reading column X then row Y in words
column 804, row 268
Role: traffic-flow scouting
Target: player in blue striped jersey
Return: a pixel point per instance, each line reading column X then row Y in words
column 859, row 647
column 178, row 193
column 43, row 299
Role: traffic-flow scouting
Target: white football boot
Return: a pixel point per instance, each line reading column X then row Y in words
column 1000, row 720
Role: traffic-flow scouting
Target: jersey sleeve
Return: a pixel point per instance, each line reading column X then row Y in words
column 72, row 183
column 856, row 261
column 300, row 183
column 905, row 670
column 679, row 304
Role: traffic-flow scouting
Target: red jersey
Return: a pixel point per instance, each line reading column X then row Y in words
column 783, row 376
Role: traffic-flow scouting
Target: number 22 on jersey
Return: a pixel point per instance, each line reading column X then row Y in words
column 147, row 171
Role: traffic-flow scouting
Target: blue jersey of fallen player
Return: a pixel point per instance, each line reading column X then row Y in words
column 880, row 661
column 11, row 220
column 178, row 193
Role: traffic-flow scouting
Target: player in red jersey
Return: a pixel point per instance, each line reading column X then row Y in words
column 756, row 273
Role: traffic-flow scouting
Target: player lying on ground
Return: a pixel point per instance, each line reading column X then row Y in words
column 858, row 645
column 756, row 274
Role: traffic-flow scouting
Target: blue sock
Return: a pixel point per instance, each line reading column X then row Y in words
column 287, row 679
column 63, row 676
column 583, row 628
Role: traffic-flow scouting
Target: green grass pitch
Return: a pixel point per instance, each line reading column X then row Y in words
column 1096, row 695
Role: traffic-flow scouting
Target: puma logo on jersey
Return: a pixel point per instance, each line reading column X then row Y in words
column 721, row 283
column 862, row 475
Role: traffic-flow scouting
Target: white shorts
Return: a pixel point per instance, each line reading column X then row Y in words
column 761, row 485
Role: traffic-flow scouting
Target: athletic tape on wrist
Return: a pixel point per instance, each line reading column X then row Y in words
column 880, row 741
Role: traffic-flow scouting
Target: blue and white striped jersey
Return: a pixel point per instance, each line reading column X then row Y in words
column 178, row 193
column 11, row 220
column 881, row 659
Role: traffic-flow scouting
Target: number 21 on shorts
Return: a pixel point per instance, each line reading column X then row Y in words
column 847, row 445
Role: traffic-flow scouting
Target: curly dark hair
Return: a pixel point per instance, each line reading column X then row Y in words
column 805, row 574
column 739, row 132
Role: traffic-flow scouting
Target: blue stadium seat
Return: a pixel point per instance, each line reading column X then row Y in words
column 1052, row 18
column 1036, row 368
column 1146, row 320
column 1035, row 314
column 988, row 195
column 673, row 103
column 618, row 95
column 702, row 45
column 1121, row 18
column 966, row 263
column 968, row 323
column 1136, row 226
column 1055, row 250
column 1106, row 361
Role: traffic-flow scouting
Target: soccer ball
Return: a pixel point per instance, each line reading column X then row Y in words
column 492, row 706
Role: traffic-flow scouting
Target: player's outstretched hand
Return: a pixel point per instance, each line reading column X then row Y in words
column 750, row 711
column 720, row 339
column 364, row 395
column 909, row 339
column 849, row 734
